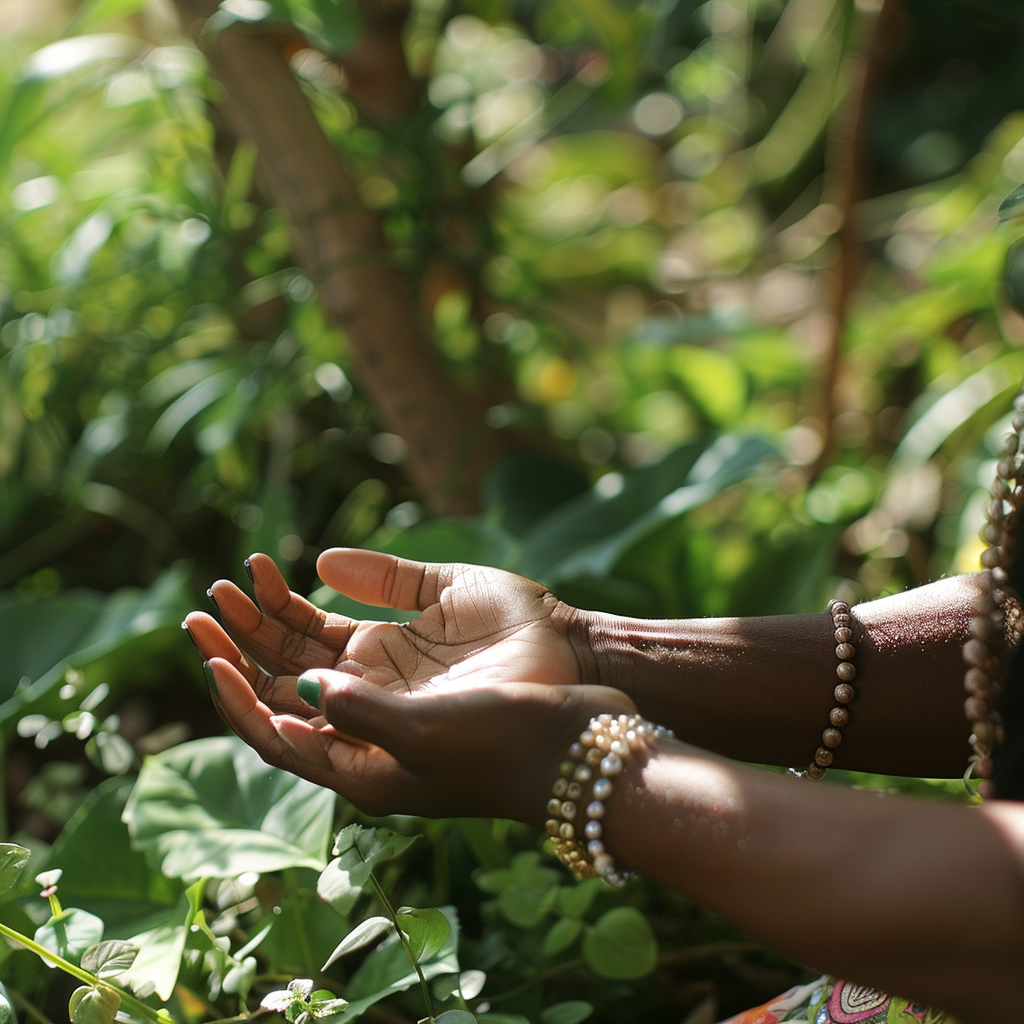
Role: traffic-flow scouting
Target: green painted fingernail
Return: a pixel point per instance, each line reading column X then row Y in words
column 308, row 688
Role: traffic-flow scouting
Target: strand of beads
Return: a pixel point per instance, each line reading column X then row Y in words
column 843, row 693
column 995, row 610
column 595, row 759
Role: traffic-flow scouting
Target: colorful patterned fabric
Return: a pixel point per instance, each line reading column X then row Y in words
column 827, row 1001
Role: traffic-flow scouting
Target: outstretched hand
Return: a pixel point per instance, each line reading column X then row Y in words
column 470, row 748
column 476, row 624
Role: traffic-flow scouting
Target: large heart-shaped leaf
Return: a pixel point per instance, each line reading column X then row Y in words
column 212, row 807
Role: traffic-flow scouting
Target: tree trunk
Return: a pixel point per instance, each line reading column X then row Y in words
column 341, row 247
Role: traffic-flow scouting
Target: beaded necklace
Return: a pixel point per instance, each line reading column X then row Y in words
column 995, row 624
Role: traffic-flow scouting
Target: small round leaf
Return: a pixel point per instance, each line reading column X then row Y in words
column 621, row 945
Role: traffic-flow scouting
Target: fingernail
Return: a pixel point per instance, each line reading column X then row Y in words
column 216, row 607
column 308, row 688
column 248, row 570
column 188, row 633
column 210, row 678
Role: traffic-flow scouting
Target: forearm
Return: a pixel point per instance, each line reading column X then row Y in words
column 921, row 899
column 760, row 689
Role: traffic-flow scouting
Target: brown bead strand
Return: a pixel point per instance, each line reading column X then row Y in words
column 995, row 611
column 843, row 693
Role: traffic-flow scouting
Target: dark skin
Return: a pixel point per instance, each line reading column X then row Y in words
column 755, row 689
column 469, row 709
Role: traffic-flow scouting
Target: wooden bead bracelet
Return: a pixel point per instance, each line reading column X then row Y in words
column 844, row 692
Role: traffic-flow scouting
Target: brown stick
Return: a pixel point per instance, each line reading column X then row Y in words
column 844, row 186
column 341, row 247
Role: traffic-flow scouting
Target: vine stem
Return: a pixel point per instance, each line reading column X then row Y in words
column 128, row 1001
column 382, row 896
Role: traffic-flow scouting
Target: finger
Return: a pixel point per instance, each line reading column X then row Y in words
column 381, row 580
column 213, row 642
column 319, row 630
column 251, row 719
column 277, row 646
column 358, row 708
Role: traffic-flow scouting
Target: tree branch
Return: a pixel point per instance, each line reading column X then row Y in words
column 341, row 247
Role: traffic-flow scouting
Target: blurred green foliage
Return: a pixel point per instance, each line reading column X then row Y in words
column 622, row 224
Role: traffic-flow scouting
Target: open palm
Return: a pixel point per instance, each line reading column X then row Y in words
column 475, row 621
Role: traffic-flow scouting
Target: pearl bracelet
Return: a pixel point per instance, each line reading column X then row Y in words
column 598, row 756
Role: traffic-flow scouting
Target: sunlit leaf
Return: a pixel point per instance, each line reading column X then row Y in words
column 363, row 934
column 213, row 807
column 70, row 934
column 427, row 930
column 13, row 859
column 107, row 959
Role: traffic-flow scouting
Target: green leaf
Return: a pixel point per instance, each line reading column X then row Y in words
column 714, row 382
column 455, row 1017
column 362, row 935
column 101, row 871
column 621, row 945
column 13, row 859
column 590, row 534
column 561, row 935
column 576, row 900
column 427, row 930
column 109, row 958
column 113, row 638
column 388, row 970
column 502, row 1018
column 70, row 934
column 95, row 12
column 212, row 807
column 360, row 849
column 7, row 1014
column 572, row 1011
column 94, row 1004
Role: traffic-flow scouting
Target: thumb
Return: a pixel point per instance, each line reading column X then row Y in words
column 355, row 708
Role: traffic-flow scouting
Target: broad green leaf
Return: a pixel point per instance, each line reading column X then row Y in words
column 713, row 380
column 94, row 1004
column 572, row 1011
column 362, row 935
column 455, row 1017
column 621, row 945
column 13, row 859
column 113, row 638
column 576, row 900
column 561, row 935
column 526, row 891
column 589, row 534
column 103, row 874
column 426, row 929
column 388, row 970
column 526, row 905
column 212, row 807
column 109, row 958
column 360, row 850
column 70, row 934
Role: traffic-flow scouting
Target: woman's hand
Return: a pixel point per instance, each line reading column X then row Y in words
column 485, row 623
column 464, row 747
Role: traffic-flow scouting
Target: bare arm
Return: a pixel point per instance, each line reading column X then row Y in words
column 760, row 689
column 755, row 689
column 922, row 899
